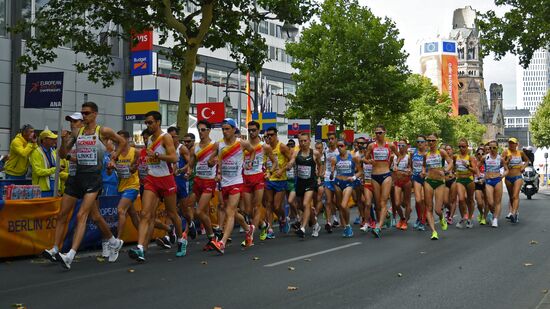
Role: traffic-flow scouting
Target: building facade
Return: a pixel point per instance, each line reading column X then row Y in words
column 533, row 83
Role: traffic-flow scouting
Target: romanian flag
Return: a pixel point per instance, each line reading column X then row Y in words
column 322, row 131
column 229, row 151
column 266, row 120
column 248, row 105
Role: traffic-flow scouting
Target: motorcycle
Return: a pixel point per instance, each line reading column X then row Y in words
column 530, row 182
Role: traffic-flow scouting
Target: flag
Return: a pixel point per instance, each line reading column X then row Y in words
column 248, row 105
column 322, row 131
column 297, row 126
column 349, row 136
column 266, row 95
column 213, row 112
column 266, row 120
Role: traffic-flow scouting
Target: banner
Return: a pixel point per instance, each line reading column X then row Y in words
column 140, row 102
column 449, row 78
column 142, row 41
column 141, row 63
column 297, row 126
column 213, row 112
column 321, row 132
column 266, row 120
column 44, row 90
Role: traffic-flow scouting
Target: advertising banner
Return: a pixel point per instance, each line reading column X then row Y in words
column 141, row 63
column 449, row 77
column 44, row 90
column 142, row 41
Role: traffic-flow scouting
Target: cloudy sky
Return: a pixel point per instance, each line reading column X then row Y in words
column 425, row 19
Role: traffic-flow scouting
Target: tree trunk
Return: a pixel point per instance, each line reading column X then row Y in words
column 186, row 89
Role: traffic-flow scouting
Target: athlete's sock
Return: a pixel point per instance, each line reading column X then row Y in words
column 112, row 241
column 71, row 254
column 140, row 247
column 55, row 249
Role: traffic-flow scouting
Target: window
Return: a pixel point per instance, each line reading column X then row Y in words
column 169, row 112
column 3, row 17
column 263, row 28
column 272, row 29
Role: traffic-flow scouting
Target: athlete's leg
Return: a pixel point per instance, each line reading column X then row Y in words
column 429, row 204
column 123, row 205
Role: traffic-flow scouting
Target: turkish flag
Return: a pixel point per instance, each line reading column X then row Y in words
column 213, row 112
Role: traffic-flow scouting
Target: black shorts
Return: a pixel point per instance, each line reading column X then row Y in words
column 304, row 185
column 81, row 184
column 449, row 183
column 480, row 186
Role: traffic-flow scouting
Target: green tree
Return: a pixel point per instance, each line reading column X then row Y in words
column 213, row 24
column 521, row 31
column 468, row 127
column 540, row 124
column 348, row 61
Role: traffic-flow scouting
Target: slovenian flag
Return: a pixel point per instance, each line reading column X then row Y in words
column 297, row 126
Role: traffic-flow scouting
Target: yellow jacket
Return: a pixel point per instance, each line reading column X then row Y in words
column 41, row 170
column 20, row 151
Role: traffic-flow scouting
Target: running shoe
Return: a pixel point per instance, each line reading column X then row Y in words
column 270, row 234
column 163, row 242
column 372, row 224
column 182, row 248
column 105, row 249
column 207, row 247
column 469, row 224
column 316, row 230
column 398, row 225
column 490, row 217
column 461, row 224
column 192, row 230
column 365, row 228
column 64, row 260
column 328, row 228
column 444, row 224
column 479, row 217
column 422, row 227
column 172, row 234
column 393, row 222
column 286, row 226
column 357, row 221
column 335, row 223
column 217, row 245
column 494, row 222
column 376, row 232
column 348, row 232
column 137, row 254
column 296, row 225
column 482, row 221
column 434, row 236
column 301, row 232
column 404, row 226
column 514, row 219
column 114, row 250
column 449, row 220
column 509, row 216
column 249, row 238
column 49, row 255
column 416, row 224
column 263, row 232
column 218, row 233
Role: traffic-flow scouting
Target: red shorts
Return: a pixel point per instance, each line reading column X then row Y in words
column 368, row 186
column 253, row 182
column 231, row 190
column 401, row 182
column 201, row 186
column 161, row 186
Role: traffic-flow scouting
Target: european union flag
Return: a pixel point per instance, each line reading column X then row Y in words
column 431, row 47
column 449, row 47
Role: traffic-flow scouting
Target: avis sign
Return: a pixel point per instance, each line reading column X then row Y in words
column 142, row 41
column 213, row 112
column 44, row 90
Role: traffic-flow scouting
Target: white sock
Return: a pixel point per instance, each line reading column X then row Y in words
column 55, row 249
column 112, row 240
column 71, row 254
column 303, row 229
column 140, row 247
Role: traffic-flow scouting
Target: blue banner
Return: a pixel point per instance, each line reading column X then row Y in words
column 142, row 95
column 44, row 90
column 141, row 63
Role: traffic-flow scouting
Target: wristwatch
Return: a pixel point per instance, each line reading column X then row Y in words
column 157, row 154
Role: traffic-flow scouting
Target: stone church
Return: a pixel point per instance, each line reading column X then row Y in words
column 472, row 97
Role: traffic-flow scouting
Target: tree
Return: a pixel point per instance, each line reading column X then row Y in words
column 540, row 124
column 213, row 24
column 521, row 31
column 349, row 61
column 468, row 127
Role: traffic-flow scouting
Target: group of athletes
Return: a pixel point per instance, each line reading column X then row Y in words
column 327, row 178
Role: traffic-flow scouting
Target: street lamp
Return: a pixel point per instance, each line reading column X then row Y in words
column 546, row 168
column 227, row 103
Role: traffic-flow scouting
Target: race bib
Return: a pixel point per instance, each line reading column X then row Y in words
column 86, row 150
column 230, row 169
column 303, row 171
column 123, row 171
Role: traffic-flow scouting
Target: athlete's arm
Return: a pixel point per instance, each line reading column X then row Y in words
column 290, row 163
column 170, row 156
column 248, row 147
column 332, row 167
column 268, row 151
column 318, row 165
column 108, row 133
column 473, row 166
column 369, row 156
column 525, row 160
column 134, row 163
column 358, row 168
column 214, row 157
column 285, row 151
column 448, row 159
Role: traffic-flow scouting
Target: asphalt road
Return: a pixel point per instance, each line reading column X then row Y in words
column 481, row 267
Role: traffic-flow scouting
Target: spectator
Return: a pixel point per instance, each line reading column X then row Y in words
column 20, row 149
column 43, row 162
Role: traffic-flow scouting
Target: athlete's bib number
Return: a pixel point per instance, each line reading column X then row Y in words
column 380, row 154
column 204, row 171
column 123, row 171
column 230, row 169
column 303, row 171
column 343, row 168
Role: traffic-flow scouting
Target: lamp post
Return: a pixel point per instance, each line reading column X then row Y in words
column 546, row 168
column 227, row 103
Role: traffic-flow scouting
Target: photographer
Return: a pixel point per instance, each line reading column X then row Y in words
column 20, row 149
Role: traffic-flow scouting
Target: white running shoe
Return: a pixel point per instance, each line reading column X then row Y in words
column 364, row 228
column 469, row 224
column 106, row 252
column 114, row 250
column 316, row 229
column 64, row 260
column 460, row 224
column 49, row 254
column 495, row 222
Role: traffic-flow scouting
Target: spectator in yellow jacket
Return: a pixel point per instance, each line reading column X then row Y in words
column 43, row 162
column 20, row 150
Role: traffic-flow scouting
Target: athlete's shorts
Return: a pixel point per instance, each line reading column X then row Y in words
column 161, row 186
column 368, row 186
column 305, row 185
column 513, row 179
column 81, row 184
column 434, row 183
column 493, row 182
column 418, row 179
column 330, row 185
column 231, row 190
column 464, row 181
column 379, row 178
column 401, row 182
column 253, row 182
column 277, row 185
column 182, row 189
column 291, row 185
column 449, row 183
column 342, row 184
column 201, row 186
column 480, row 186
column 130, row 194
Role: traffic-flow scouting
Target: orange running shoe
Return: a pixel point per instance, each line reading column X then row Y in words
column 399, row 224
column 404, row 225
column 217, row 245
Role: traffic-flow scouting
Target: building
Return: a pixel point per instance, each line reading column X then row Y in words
column 210, row 79
column 472, row 97
column 533, row 83
column 517, row 118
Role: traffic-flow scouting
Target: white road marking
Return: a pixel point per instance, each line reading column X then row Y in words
column 312, row 254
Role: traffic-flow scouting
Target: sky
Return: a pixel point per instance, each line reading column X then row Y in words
column 425, row 19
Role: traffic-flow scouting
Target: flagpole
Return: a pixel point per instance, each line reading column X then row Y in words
column 239, row 106
column 57, row 159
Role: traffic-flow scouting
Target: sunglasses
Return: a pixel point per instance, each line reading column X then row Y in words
column 479, row 153
column 462, row 146
column 420, row 141
column 203, row 129
column 401, row 145
column 342, row 146
column 361, row 143
column 86, row 113
column 148, row 122
column 432, row 140
column 187, row 142
column 379, row 132
column 270, row 134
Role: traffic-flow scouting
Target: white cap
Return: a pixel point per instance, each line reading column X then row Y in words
column 74, row 116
